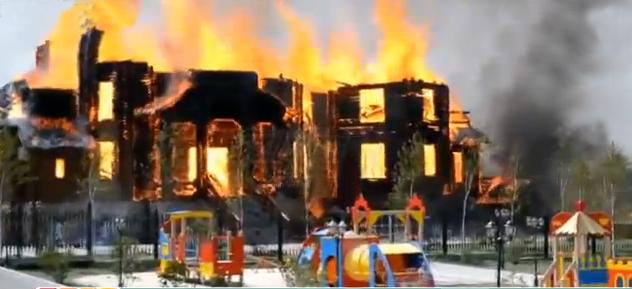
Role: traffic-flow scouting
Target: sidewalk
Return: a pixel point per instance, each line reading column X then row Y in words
column 18, row 280
column 446, row 274
column 252, row 278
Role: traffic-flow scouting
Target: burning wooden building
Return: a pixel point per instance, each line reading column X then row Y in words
column 173, row 136
column 219, row 134
column 51, row 141
column 365, row 126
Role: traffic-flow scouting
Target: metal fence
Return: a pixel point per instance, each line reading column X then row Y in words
column 28, row 230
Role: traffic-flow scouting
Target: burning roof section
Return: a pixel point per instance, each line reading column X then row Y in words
column 46, row 118
column 204, row 95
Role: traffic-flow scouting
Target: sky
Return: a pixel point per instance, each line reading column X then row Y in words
column 465, row 37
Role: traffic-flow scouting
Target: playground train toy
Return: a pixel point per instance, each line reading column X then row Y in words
column 358, row 258
column 581, row 267
column 189, row 242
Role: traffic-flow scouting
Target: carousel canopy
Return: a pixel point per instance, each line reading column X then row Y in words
column 580, row 224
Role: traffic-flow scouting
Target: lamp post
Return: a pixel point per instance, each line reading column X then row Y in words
column 537, row 224
column 500, row 230
column 119, row 227
column 338, row 231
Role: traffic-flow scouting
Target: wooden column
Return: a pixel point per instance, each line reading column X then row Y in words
column 201, row 140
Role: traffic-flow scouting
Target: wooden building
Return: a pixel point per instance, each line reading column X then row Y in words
column 172, row 135
column 364, row 127
column 218, row 134
column 51, row 140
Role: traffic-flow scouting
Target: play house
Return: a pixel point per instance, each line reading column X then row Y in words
column 188, row 240
column 577, row 262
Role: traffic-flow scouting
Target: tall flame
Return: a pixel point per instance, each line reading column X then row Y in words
column 192, row 39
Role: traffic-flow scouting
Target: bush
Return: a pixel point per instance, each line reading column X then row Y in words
column 513, row 253
column 298, row 276
column 467, row 257
column 55, row 264
column 125, row 255
column 175, row 275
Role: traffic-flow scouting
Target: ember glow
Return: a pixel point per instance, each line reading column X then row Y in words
column 372, row 165
column 458, row 167
column 429, row 108
column 372, row 105
column 430, row 160
column 217, row 169
column 60, row 168
column 106, row 94
column 191, row 164
column 17, row 110
column 106, row 162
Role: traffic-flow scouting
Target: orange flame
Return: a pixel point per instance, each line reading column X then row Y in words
column 191, row 39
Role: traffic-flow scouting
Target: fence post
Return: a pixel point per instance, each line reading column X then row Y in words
column 34, row 227
column 89, row 233
column 156, row 235
column 546, row 229
column 20, row 233
column 444, row 235
column 280, row 237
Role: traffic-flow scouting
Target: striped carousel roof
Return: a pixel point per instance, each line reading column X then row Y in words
column 581, row 224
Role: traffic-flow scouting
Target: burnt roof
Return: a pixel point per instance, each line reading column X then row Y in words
column 52, row 103
column 33, row 137
column 51, row 117
column 217, row 94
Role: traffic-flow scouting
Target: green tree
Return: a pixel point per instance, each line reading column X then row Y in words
column 126, row 259
column 565, row 160
column 581, row 177
column 55, row 264
column 515, row 194
column 407, row 171
column 472, row 159
column 613, row 169
column 13, row 170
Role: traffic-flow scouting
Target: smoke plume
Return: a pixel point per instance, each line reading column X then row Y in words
column 532, row 112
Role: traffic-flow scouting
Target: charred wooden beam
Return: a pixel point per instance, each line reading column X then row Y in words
column 130, row 81
column 201, row 141
column 282, row 146
column 88, row 83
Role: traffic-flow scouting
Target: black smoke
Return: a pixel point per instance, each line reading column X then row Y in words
column 532, row 113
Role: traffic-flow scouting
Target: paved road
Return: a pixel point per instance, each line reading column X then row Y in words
column 10, row 279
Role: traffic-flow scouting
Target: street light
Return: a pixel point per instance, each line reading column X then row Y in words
column 501, row 230
column 338, row 231
column 539, row 225
column 536, row 224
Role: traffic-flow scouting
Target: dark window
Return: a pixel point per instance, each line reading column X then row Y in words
column 619, row 281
